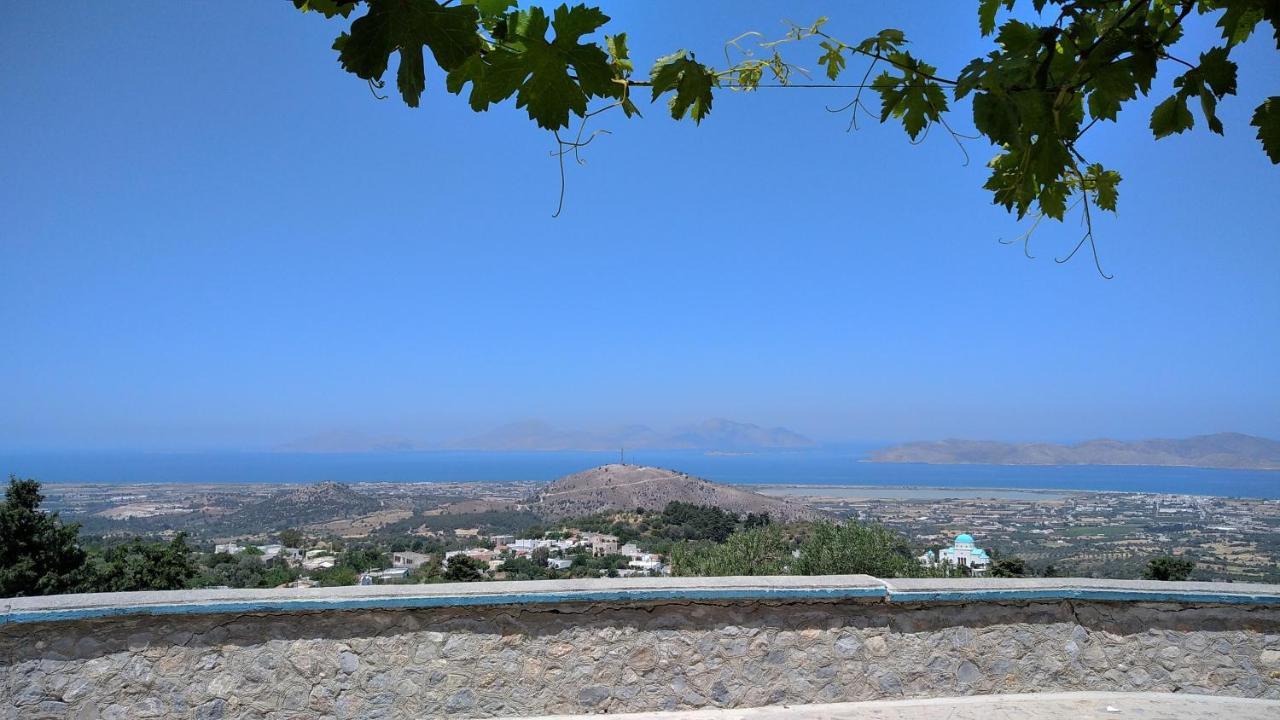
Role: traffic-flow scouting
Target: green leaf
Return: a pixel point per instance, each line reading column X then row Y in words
column 1239, row 20
column 491, row 8
column 366, row 50
column 691, row 80
column 1171, row 116
column 833, row 58
column 1109, row 87
column 411, row 78
column 406, row 26
column 450, row 32
column 1053, row 199
column 987, row 10
column 328, row 8
column 1209, row 106
column 1267, row 119
column 1104, row 183
column 1218, row 72
column 537, row 71
column 996, row 117
column 912, row 97
column 987, row 16
column 619, row 57
column 1017, row 37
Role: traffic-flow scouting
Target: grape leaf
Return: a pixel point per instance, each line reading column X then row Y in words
column 328, row 8
column 1171, row 116
column 1104, row 184
column 1109, row 87
column 996, row 117
column 833, row 58
column 536, row 70
column 691, row 80
column 987, row 14
column 1218, row 72
column 1267, row 119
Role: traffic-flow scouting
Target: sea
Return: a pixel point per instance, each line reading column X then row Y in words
column 813, row 467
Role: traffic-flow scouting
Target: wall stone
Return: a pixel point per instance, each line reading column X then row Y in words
column 606, row 657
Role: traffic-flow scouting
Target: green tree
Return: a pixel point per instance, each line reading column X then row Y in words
column 138, row 565
column 463, row 569
column 1043, row 83
column 291, row 537
column 1012, row 566
column 855, row 548
column 761, row 551
column 540, row 555
column 39, row 555
column 1168, row 568
column 336, row 576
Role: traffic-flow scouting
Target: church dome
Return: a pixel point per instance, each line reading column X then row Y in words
column 964, row 538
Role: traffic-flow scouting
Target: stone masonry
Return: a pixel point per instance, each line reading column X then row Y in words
column 616, row 657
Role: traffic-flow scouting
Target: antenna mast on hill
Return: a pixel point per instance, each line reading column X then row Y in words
column 622, row 456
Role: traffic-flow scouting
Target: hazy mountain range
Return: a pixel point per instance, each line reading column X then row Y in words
column 717, row 434
column 711, row 435
column 1222, row 450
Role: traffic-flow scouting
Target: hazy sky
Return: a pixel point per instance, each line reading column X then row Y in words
column 212, row 237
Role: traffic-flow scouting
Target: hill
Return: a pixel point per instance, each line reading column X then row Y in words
column 1222, row 450
column 294, row 507
column 626, row 487
column 715, row 434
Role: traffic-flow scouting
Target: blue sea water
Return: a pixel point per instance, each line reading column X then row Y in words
column 809, row 467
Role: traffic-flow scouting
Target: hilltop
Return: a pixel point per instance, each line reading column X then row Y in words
column 626, row 487
column 293, row 507
column 1221, row 450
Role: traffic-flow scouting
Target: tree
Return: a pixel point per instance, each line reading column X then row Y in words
column 1034, row 96
column 38, row 554
column 463, row 569
column 855, row 548
column 540, row 556
column 1168, row 568
column 762, row 551
column 291, row 537
column 138, row 565
column 1012, row 566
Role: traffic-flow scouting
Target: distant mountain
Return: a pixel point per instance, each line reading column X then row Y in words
column 340, row 441
column 1223, row 450
column 626, row 487
column 718, row 434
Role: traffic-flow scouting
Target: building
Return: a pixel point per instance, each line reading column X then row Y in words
column 319, row 562
column 229, row 548
column 600, row 543
column 502, row 541
column 559, row 563
column 383, row 576
column 962, row 553
column 409, row 559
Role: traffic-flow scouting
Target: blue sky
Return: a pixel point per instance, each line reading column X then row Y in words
column 212, row 237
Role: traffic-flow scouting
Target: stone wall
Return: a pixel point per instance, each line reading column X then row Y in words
column 578, row 653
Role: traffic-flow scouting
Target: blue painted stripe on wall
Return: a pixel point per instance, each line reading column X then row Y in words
column 28, row 616
column 1186, row 597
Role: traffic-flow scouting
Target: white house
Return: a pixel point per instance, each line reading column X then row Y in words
column 409, row 559
column 559, row 563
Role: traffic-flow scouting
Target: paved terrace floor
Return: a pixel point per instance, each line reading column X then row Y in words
column 1042, row 706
